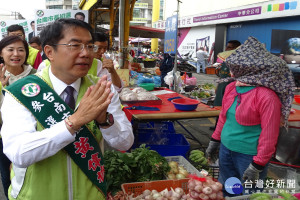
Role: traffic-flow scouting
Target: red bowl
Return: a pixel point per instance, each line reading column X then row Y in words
column 297, row 98
column 185, row 104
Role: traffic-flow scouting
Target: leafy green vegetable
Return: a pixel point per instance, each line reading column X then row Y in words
column 141, row 164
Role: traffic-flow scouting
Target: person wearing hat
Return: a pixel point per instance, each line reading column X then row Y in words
column 254, row 107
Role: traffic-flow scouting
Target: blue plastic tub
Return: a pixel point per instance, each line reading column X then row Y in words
column 164, row 144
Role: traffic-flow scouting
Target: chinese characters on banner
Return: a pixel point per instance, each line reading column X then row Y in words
column 171, row 35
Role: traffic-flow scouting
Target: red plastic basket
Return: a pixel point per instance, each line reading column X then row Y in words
column 137, row 188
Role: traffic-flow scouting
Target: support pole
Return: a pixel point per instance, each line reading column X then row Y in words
column 155, row 17
column 176, row 88
column 121, row 33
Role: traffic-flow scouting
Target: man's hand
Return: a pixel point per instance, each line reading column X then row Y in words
column 94, row 104
column 251, row 173
column 212, row 151
column 108, row 64
column 3, row 79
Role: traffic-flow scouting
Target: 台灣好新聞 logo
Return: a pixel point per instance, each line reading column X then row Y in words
column 233, row 186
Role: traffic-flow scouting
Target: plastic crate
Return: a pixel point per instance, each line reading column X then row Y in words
column 210, row 70
column 156, row 127
column 185, row 163
column 137, row 188
column 165, row 144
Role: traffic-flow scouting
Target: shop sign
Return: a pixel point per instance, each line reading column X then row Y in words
column 141, row 5
column 171, row 35
column 231, row 14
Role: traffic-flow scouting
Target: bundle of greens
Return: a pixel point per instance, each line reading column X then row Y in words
column 141, row 164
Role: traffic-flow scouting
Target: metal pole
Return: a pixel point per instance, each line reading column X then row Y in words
column 121, row 33
column 176, row 88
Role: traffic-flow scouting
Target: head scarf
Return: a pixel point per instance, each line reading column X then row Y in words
column 252, row 64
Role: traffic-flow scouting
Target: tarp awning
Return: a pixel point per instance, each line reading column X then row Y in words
column 146, row 32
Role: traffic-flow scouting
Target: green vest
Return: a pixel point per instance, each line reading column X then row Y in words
column 93, row 69
column 58, row 176
column 32, row 55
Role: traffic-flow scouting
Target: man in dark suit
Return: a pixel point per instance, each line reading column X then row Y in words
column 32, row 34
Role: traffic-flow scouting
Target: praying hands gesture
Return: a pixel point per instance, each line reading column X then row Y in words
column 94, row 104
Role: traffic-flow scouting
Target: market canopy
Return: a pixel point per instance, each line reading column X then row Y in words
column 146, row 32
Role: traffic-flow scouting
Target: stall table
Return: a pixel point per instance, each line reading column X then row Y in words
column 167, row 111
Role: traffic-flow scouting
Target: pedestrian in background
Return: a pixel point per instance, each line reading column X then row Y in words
column 166, row 66
column 201, row 60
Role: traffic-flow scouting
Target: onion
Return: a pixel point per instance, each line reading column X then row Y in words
column 171, row 176
column 194, row 194
column 203, row 196
column 154, row 192
column 156, row 195
column 179, row 191
column 220, row 186
column 198, row 188
column 215, row 187
column 212, row 196
column 148, row 197
column 146, row 192
column 198, row 182
column 165, row 193
column 173, row 164
column 207, row 190
column 184, row 172
column 180, row 176
column 191, row 184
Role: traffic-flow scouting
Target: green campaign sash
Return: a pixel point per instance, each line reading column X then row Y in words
column 48, row 108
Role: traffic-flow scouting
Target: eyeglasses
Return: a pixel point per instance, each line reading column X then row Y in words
column 80, row 46
column 20, row 35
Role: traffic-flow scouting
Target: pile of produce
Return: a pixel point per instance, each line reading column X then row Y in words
column 204, row 188
column 135, row 94
column 177, row 171
column 265, row 196
column 174, row 194
column 204, row 91
column 141, row 164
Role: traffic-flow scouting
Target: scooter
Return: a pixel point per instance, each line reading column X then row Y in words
column 186, row 62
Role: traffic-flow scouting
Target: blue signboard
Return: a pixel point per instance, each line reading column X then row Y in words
column 171, row 35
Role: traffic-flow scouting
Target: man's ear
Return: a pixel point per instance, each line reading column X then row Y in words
column 49, row 51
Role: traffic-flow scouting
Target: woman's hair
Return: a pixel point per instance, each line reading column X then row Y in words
column 12, row 39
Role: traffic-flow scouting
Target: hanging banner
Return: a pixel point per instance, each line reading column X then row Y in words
column 48, row 16
column 22, row 22
column 171, row 35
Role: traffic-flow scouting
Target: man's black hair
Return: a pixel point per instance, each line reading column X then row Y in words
column 32, row 22
column 80, row 13
column 100, row 37
column 35, row 40
column 53, row 33
column 235, row 43
column 15, row 27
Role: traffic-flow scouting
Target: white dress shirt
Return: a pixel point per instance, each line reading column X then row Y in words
column 24, row 145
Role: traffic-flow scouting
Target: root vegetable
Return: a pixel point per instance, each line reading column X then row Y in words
column 191, row 184
column 203, row 196
column 179, row 191
column 148, row 197
column 194, row 194
column 180, row 176
column 171, row 176
column 220, row 195
column 207, row 190
column 184, row 172
column 156, row 195
column 215, row 187
column 146, row 192
column 198, row 188
column 165, row 193
column 212, row 196
column 220, row 186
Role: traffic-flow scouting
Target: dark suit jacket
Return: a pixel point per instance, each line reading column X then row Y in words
column 30, row 35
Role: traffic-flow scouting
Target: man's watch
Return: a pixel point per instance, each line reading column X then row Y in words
column 109, row 120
